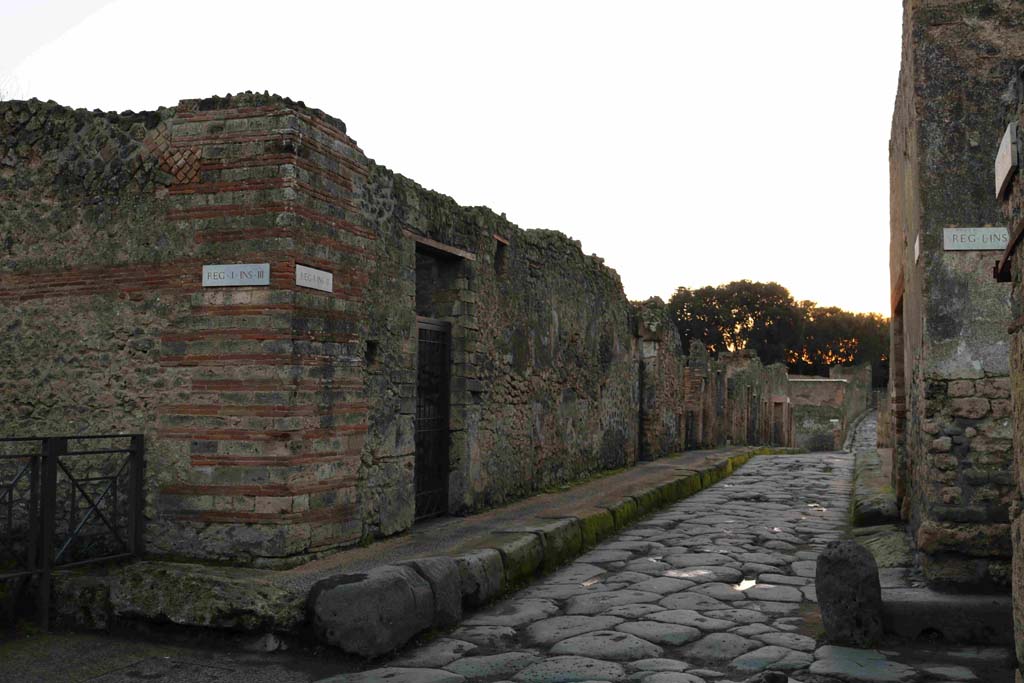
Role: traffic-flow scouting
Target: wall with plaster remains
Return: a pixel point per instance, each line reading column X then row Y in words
column 280, row 420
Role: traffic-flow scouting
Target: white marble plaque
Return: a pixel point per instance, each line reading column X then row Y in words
column 975, row 239
column 236, row 275
column 313, row 278
column 1006, row 159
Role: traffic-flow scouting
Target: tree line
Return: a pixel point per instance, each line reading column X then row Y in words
column 764, row 317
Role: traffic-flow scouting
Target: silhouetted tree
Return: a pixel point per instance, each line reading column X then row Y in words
column 765, row 318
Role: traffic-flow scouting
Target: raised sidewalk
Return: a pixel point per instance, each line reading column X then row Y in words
column 475, row 559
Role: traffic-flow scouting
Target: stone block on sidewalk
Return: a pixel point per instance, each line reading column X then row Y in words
column 849, row 594
column 374, row 613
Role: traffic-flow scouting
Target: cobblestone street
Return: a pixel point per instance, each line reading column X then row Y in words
column 716, row 587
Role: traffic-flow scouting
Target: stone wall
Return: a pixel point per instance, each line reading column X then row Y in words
column 280, row 421
column 819, row 412
column 1013, row 208
column 949, row 367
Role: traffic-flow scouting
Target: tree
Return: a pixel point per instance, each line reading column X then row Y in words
column 739, row 315
column 765, row 318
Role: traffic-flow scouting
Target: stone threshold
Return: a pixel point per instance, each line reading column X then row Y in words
column 446, row 565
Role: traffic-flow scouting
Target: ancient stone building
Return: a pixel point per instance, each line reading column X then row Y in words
column 823, row 408
column 386, row 355
column 949, row 368
column 1011, row 268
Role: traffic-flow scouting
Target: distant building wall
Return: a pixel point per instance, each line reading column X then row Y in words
column 819, row 412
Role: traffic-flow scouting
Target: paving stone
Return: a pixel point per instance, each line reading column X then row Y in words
column 578, row 572
column 648, row 566
column 393, row 674
column 657, row 664
column 951, row 673
column 705, row 574
column 771, row 657
column 661, row 633
column 603, row 556
column 686, row 617
column 777, row 608
column 764, row 558
column 629, row 577
column 560, row 591
column 633, row 611
column 504, row 664
column 613, row 645
column 719, row 647
column 436, row 654
column 793, row 641
column 749, row 630
column 555, row 629
column 805, row 568
column 571, row 670
column 599, row 602
column 867, row 666
column 495, row 637
column 784, row 580
column 663, row 585
column 514, row 613
column 697, row 559
column 720, row 591
column 767, row 591
column 695, row 601
column 672, row 677
column 738, row 616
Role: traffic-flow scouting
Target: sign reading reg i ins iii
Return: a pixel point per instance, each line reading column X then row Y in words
column 236, row 275
column 975, row 239
column 313, row 278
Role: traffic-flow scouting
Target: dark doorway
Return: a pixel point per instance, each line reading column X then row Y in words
column 431, row 426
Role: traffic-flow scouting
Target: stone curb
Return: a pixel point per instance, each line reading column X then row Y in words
column 433, row 589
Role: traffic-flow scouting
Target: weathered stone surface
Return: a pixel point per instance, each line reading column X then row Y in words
column 660, row 633
column 394, row 674
column 612, row 645
column 493, row 637
column 482, row 575
column 503, row 664
column 719, row 647
column 867, row 666
column 658, row 664
column 599, row 602
column 849, row 594
column 442, row 573
column 550, row 631
column 570, row 670
column 774, row 657
column 373, row 613
column 436, row 654
column 514, row 613
column 206, row 596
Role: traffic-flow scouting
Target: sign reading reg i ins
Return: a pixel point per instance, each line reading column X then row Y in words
column 313, row 278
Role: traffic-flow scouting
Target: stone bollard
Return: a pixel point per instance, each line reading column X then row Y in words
column 849, row 594
column 371, row 614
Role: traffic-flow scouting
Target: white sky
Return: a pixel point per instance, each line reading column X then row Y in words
column 687, row 143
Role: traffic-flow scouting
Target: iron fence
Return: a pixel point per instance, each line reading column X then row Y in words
column 67, row 501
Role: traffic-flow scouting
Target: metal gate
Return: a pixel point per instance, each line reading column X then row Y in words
column 431, row 432
column 67, row 501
